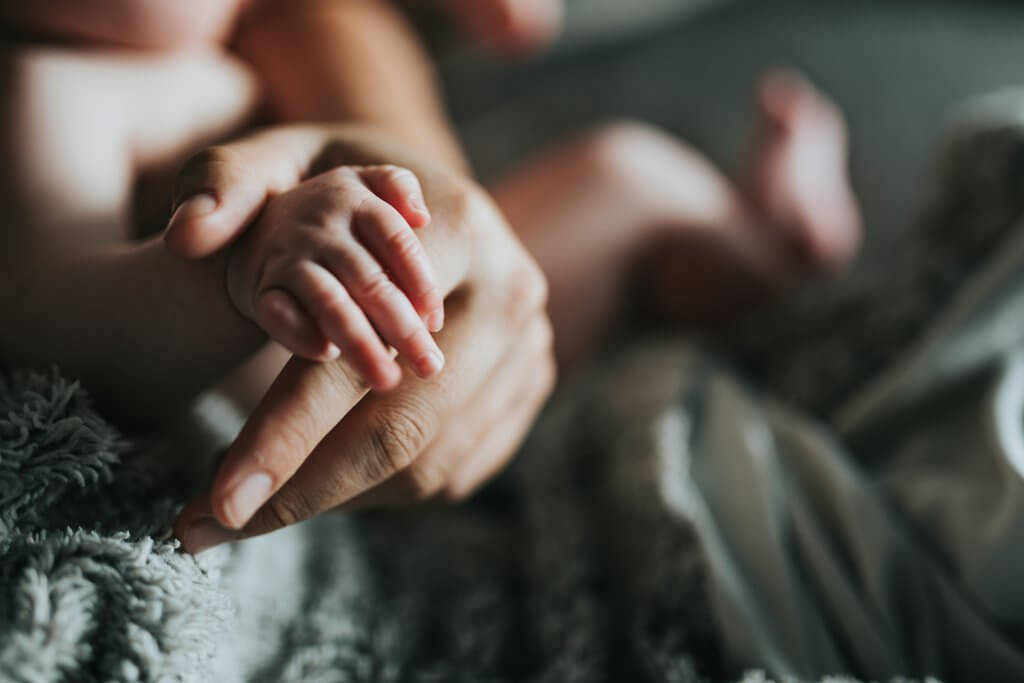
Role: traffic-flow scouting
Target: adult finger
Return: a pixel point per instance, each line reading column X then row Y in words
column 502, row 432
column 386, row 433
column 502, row 442
column 486, row 433
column 303, row 403
column 220, row 190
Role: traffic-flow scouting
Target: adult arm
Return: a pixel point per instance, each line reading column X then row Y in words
column 353, row 61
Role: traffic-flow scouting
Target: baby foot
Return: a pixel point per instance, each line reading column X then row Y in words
column 333, row 267
column 800, row 183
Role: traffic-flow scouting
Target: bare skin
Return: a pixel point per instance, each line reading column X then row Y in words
column 509, row 25
column 332, row 266
column 490, row 389
column 504, row 25
column 617, row 189
column 629, row 199
column 71, row 253
column 146, row 330
column 799, row 183
column 599, row 210
column 72, row 204
column 178, row 333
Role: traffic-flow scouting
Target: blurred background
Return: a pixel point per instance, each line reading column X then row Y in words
column 897, row 68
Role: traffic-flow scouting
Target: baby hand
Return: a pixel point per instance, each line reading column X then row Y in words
column 332, row 266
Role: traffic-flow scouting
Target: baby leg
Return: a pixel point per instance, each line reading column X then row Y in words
column 802, row 219
column 628, row 220
column 587, row 210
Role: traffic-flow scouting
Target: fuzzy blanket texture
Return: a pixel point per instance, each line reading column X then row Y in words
column 588, row 560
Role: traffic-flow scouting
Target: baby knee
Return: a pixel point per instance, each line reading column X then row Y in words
column 624, row 151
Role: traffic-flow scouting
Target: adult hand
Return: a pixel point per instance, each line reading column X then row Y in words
column 318, row 440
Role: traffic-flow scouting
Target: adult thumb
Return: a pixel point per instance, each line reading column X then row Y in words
column 217, row 194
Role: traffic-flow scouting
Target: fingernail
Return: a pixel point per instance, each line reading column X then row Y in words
column 248, row 496
column 333, row 352
column 204, row 534
column 431, row 363
column 194, row 207
column 419, row 207
column 435, row 320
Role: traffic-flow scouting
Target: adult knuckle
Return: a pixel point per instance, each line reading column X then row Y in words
column 202, row 168
column 292, row 439
column 397, row 440
column 285, row 510
column 423, row 480
column 210, row 157
column 526, row 291
column 464, row 206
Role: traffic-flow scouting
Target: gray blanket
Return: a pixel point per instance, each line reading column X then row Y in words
column 855, row 513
